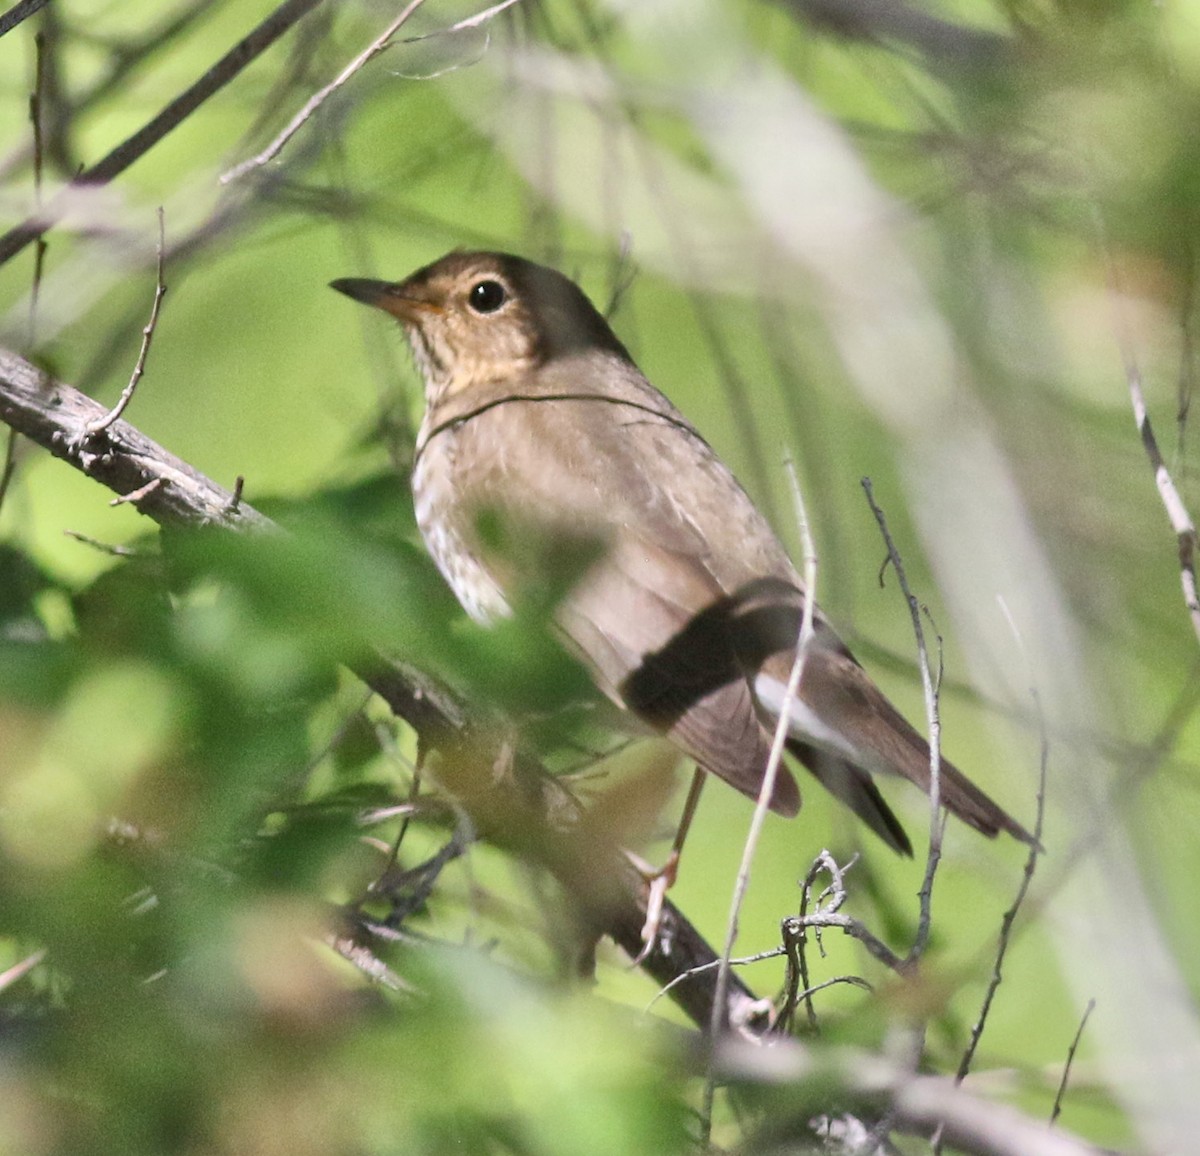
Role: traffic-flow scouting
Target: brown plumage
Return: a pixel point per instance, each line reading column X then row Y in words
column 689, row 617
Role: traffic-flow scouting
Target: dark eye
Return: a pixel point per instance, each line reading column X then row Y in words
column 487, row 296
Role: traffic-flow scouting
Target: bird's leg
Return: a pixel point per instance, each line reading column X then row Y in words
column 664, row 878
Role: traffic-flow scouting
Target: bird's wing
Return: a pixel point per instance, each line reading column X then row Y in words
column 640, row 620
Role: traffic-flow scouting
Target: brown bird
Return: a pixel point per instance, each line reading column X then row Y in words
column 690, row 615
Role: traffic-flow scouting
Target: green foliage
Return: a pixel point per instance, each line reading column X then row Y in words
column 892, row 249
column 176, row 835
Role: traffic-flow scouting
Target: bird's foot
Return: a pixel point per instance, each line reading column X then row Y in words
column 660, row 881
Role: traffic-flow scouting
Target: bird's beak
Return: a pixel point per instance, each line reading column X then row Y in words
column 385, row 295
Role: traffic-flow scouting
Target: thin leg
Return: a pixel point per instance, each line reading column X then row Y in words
column 664, row 878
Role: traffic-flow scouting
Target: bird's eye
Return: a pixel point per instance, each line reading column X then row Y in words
column 487, row 296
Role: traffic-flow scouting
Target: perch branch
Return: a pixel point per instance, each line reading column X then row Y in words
column 524, row 810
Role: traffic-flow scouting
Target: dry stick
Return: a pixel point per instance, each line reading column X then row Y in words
column 823, row 862
column 160, row 290
column 936, row 821
column 378, row 45
column 760, row 957
column 134, row 147
column 795, row 927
column 767, row 790
column 1056, row 1111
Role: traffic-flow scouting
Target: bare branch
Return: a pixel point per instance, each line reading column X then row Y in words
column 136, row 146
column 108, row 548
column 1181, row 521
column 54, row 416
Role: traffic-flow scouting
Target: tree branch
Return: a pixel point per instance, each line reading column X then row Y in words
column 136, row 146
column 516, row 805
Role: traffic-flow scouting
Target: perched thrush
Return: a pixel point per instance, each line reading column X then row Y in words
column 689, row 616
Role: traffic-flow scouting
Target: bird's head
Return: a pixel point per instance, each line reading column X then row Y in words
column 475, row 318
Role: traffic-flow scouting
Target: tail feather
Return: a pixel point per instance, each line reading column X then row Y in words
column 844, row 729
column 856, row 789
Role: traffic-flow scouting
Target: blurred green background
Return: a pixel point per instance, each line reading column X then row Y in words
column 919, row 244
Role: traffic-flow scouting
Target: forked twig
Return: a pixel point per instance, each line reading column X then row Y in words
column 794, row 929
column 100, row 424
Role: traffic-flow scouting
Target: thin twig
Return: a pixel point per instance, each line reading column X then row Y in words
column 1010, row 916
column 160, row 291
column 1177, row 512
column 109, row 548
column 39, row 161
column 380, row 44
column 759, row 957
column 767, row 789
column 1181, row 521
column 936, row 819
column 1056, row 1111
column 856, row 930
